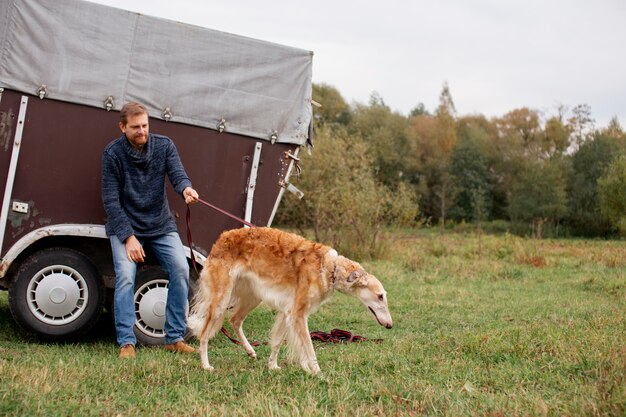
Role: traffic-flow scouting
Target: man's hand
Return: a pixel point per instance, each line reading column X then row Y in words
column 134, row 250
column 190, row 195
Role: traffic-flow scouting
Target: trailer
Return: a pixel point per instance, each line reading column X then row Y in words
column 238, row 110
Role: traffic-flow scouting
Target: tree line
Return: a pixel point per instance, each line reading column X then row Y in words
column 539, row 174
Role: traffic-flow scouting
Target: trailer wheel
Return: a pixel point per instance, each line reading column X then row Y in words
column 57, row 294
column 150, row 302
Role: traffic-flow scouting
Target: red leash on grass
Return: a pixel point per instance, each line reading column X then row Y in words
column 335, row 335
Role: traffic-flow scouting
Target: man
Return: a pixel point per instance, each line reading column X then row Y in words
column 134, row 167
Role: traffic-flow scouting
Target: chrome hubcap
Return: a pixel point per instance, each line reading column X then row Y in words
column 57, row 295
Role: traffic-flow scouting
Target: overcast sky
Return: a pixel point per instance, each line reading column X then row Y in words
column 495, row 55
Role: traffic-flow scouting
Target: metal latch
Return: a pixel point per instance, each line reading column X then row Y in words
column 19, row 207
column 288, row 154
column 221, row 126
column 292, row 189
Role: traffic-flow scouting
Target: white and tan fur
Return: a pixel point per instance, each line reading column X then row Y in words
column 292, row 275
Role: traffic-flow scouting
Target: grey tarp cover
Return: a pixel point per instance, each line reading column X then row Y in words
column 84, row 52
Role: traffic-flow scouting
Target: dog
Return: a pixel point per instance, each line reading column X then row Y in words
column 292, row 275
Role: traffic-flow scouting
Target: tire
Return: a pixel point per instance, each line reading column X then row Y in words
column 150, row 302
column 57, row 294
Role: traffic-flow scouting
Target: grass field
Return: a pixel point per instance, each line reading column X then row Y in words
column 525, row 328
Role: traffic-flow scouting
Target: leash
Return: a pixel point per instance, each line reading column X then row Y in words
column 335, row 336
column 190, row 240
column 224, row 212
column 237, row 342
column 339, row 336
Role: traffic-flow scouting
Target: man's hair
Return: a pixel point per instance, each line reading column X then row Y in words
column 131, row 109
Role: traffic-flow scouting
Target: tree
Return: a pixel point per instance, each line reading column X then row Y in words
column 480, row 210
column 479, row 130
column 588, row 164
column 421, row 147
column 521, row 128
column 386, row 135
column 614, row 128
column 581, row 124
column 538, row 195
column 556, row 138
column 446, row 125
column 431, row 140
column 419, row 110
column 612, row 194
column 446, row 139
column 517, row 142
column 484, row 137
column 344, row 204
column 473, row 181
column 333, row 110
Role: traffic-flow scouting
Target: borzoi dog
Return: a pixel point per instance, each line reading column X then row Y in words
column 292, row 275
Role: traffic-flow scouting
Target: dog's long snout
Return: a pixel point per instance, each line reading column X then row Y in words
column 386, row 322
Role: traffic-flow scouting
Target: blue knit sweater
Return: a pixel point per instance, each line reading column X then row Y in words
column 133, row 186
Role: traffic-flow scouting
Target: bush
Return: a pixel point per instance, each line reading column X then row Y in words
column 344, row 205
column 612, row 193
column 496, row 227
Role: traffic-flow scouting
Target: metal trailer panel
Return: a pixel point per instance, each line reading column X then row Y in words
column 58, row 172
column 8, row 124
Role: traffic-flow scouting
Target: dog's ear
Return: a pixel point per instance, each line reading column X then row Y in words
column 353, row 277
column 358, row 275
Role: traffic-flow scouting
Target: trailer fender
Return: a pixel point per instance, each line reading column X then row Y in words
column 84, row 230
column 87, row 230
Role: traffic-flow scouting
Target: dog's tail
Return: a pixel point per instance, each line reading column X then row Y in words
column 208, row 306
column 194, row 324
column 199, row 305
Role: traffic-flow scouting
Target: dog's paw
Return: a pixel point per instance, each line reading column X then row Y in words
column 252, row 354
column 208, row 368
column 274, row 367
column 310, row 366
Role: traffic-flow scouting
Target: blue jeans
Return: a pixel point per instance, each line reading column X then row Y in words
column 169, row 251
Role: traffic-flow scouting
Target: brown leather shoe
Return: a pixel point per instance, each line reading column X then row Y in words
column 179, row 347
column 127, row 352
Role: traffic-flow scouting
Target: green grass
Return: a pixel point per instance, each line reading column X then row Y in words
column 525, row 328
